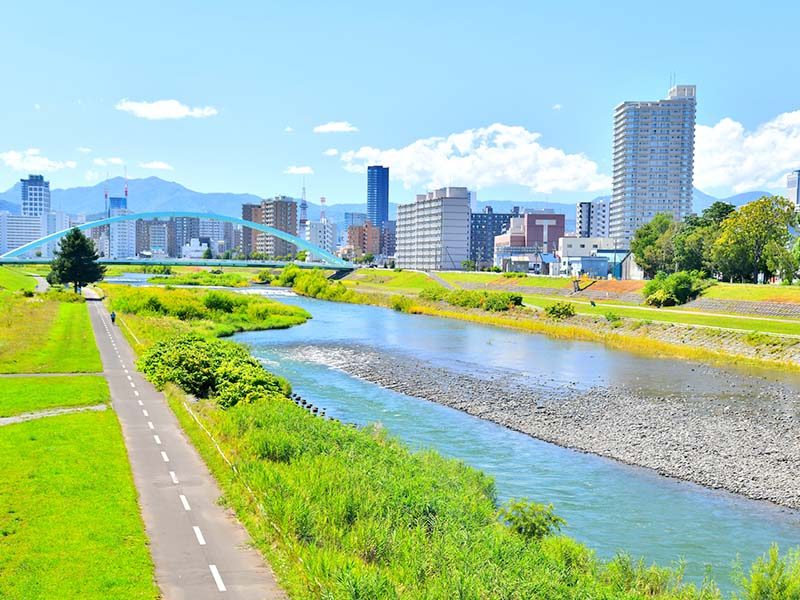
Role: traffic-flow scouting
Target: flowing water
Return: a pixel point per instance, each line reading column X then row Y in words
column 608, row 505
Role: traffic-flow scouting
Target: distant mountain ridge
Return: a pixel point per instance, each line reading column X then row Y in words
column 154, row 193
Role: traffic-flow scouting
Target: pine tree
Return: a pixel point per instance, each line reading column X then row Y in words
column 75, row 261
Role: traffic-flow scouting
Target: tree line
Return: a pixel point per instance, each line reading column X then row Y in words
column 727, row 243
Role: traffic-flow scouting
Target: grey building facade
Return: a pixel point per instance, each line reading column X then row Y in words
column 35, row 196
column 653, row 157
column 484, row 226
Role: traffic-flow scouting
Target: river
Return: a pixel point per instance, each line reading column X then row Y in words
column 608, row 505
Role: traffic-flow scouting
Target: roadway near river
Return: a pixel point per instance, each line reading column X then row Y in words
column 198, row 548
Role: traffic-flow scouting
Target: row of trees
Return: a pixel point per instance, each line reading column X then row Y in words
column 728, row 243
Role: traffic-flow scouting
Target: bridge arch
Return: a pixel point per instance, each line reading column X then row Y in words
column 293, row 239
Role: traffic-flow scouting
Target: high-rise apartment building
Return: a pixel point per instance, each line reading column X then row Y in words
column 433, row 232
column 793, row 185
column 322, row 234
column 484, row 227
column 653, row 161
column 35, row 192
column 377, row 194
column 254, row 213
column 121, row 236
column 364, row 239
column 279, row 212
column 592, row 218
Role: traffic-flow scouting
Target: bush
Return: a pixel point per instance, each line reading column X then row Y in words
column 265, row 276
column 434, row 294
column 612, row 317
column 515, row 275
column 489, row 301
column 677, row 288
column 560, row 310
column 210, row 368
column 531, row 520
column 772, row 576
column 401, row 303
column 217, row 301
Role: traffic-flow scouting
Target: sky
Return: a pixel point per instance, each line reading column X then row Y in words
column 514, row 99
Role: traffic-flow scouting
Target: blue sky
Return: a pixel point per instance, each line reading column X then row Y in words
column 514, row 98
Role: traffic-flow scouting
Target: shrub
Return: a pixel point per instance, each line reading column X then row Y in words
column 515, row 275
column 499, row 301
column 772, row 576
column 216, row 301
column 265, row 276
column 434, row 294
column 559, row 311
column 210, row 368
column 677, row 288
column 612, row 317
column 401, row 303
column 531, row 520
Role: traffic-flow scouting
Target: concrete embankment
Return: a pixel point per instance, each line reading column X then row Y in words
column 741, row 436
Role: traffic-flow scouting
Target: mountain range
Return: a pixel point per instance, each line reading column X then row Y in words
column 154, row 193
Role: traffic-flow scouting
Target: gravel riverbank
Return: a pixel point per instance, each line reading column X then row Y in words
column 742, row 437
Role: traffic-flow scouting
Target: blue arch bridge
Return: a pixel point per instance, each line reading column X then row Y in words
column 327, row 260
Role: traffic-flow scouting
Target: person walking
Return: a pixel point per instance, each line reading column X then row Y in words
column 113, row 317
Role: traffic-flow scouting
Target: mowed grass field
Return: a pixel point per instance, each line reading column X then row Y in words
column 15, row 279
column 398, row 282
column 28, row 394
column 69, row 520
column 754, row 293
column 680, row 317
column 44, row 336
column 494, row 280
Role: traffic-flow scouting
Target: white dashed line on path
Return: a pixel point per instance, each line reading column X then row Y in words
column 150, row 425
column 199, row 535
column 140, row 403
column 145, row 413
column 164, row 456
column 157, row 439
column 185, row 503
column 135, row 392
column 173, row 477
column 133, row 385
column 217, row 579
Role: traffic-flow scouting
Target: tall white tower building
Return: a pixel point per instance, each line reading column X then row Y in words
column 653, row 161
column 793, row 185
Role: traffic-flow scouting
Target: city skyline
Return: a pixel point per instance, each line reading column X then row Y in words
column 548, row 140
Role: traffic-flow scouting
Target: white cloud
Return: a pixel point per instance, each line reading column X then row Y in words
column 331, row 152
column 299, row 170
column 104, row 162
column 83, row 149
column 557, row 107
column 33, row 161
column 484, row 157
column 728, row 156
column 336, row 127
column 158, row 165
column 288, row 129
column 92, row 176
column 164, row 109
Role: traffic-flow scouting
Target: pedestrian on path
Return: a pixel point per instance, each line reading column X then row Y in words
column 113, row 317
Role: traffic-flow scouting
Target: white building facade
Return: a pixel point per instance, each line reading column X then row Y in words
column 322, row 233
column 793, row 188
column 433, row 231
column 122, row 236
column 653, row 157
column 18, row 230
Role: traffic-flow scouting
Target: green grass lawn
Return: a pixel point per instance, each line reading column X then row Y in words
column 69, row 520
column 670, row 316
column 43, row 336
column 15, row 279
column 754, row 293
column 392, row 281
column 27, row 394
column 497, row 279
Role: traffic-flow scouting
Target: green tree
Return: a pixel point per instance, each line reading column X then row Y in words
column 75, row 261
column 754, row 239
column 207, row 253
column 301, row 255
column 468, row 265
column 652, row 245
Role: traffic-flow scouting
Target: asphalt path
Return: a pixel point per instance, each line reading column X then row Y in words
column 199, row 548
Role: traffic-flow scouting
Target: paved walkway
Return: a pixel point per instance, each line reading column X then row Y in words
column 199, row 549
column 41, row 283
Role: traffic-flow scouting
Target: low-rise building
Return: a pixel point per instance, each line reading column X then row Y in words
column 433, row 231
column 531, row 238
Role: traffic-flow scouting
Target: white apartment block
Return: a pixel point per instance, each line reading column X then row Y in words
column 35, row 192
column 433, row 232
column 122, row 236
column 653, row 161
column 18, row 230
column 793, row 188
column 322, row 233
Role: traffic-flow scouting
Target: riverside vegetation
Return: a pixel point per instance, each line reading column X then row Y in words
column 342, row 512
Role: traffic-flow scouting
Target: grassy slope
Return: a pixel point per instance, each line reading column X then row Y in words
column 15, row 279
column 27, row 394
column 69, row 519
column 397, row 282
column 683, row 318
column 754, row 293
column 49, row 338
column 496, row 279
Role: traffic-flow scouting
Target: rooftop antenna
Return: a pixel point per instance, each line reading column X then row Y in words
column 303, row 209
